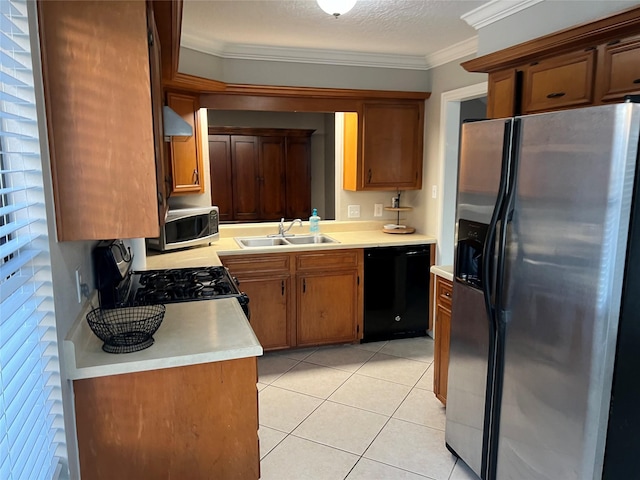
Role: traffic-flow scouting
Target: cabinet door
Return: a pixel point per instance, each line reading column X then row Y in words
column 186, row 160
column 272, row 172
column 441, row 357
column 220, row 171
column 392, row 146
column 443, row 292
column 501, row 94
column 269, row 306
column 298, row 177
column 99, row 118
column 560, row 82
column 619, row 70
column 246, row 177
column 327, row 306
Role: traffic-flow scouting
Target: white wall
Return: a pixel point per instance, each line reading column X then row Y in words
column 443, row 78
column 543, row 18
column 260, row 72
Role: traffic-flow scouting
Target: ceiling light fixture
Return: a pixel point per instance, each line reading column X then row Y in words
column 336, row 7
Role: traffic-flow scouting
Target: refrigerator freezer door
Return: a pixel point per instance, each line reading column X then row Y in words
column 563, row 281
column 466, row 387
column 479, row 169
column 479, row 178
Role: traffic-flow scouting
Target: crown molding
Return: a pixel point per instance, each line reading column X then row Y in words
column 304, row 55
column 331, row 57
column 453, row 52
column 495, row 10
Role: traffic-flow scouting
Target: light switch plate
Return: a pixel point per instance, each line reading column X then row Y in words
column 434, row 191
column 377, row 209
column 353, row 211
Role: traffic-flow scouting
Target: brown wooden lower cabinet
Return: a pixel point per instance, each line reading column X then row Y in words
column 444, row 289
column 196, row 422
column 304, row 298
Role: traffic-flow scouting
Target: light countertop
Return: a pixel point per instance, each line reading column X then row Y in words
column 226, row 245
column 191, row 333
column 444, row 271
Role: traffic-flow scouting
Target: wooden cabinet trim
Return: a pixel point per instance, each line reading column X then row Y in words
column 261, row 132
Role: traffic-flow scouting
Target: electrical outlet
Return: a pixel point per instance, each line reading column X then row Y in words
column 79, row 285
column 353, row 211
column 434, row 191
column 377, row 209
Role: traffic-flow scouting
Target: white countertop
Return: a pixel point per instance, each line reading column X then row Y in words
column 444, row 271
column 210, row 255
column 191, row 333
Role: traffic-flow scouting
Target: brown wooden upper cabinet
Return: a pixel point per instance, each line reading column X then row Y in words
column 501, row 93
column 618, row 69
column 185, row 157
column 590, row 64
column 387, row 154
column 260, row 174
column 559, row 82
column 99, row 119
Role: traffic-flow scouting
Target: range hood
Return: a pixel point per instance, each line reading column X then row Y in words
column 174, row 125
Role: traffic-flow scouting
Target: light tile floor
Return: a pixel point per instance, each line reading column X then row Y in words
column 354, row 412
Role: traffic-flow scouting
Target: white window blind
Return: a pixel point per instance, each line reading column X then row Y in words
column 31, row 424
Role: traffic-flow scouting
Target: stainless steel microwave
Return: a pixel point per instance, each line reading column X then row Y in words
column 187, row 227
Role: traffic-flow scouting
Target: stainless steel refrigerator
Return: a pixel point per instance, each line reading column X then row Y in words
column 544, row 372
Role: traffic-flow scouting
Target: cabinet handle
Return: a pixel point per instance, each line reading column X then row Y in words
column 637, row 80
column 304, row 285
column 282, row 284
column 613, row 42
column 369, row 177
column 195, row 176
column 556, row 95
column 447, row 294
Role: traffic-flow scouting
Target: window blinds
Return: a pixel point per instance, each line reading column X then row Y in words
column 31, row 424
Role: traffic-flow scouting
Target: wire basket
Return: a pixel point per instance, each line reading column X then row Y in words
column 126, row 329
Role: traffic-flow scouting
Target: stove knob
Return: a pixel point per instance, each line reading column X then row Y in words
column 398, row 318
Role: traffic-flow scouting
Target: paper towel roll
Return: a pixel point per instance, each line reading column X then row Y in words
column 139, row 250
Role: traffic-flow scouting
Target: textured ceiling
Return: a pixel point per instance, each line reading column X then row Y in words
column 391, row 27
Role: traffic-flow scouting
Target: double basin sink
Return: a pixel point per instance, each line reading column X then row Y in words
column 267, row 241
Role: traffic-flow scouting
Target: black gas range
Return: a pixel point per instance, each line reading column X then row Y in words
column 118, row 286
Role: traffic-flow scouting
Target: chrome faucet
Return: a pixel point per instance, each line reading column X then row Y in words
column 282, row 231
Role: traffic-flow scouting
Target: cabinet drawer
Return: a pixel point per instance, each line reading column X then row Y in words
column 256, row 263
column 444, row 290
column 327, row 261
column 561, row 82
column 620, row 74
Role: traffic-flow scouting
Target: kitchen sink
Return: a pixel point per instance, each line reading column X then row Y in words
column 261, row 241
column 254, row 242
column 309, row 239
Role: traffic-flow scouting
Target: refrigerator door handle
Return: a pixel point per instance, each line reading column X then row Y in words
column 489, row 251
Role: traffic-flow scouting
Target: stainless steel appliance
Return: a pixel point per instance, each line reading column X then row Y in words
column 118, row 286
column 187, row 227
column 396, row 292
column 545, row 327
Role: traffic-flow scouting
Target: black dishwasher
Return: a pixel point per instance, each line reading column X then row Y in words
column 396, row 292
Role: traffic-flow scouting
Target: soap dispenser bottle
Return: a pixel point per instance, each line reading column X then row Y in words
column 314, row 223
